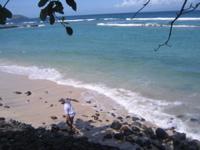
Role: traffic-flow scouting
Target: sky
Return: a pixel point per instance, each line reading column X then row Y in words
column 29, row 8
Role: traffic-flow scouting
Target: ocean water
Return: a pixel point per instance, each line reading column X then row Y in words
column 114, row 55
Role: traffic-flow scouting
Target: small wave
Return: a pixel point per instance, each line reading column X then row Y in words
column 41, row 25
column 29, row 22
column 108, row 19
column 150, row 109
column 163, row 19
column 77, row 20
column 144, row 25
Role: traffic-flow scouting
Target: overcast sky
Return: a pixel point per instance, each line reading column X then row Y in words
column 29, row 7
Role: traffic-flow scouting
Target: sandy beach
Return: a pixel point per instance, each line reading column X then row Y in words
column 42, row 108
column 36, row 102
column 43, row 102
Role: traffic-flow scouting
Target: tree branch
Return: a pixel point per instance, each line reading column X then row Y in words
column 144, row 5
column 191, row 8
column 6, row 3
column 171, row 26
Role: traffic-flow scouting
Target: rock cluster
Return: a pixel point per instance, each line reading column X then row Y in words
column 18, row 136
column 149, row 138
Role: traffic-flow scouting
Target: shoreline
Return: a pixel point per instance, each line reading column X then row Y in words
column 47, row 93
column 42, row 107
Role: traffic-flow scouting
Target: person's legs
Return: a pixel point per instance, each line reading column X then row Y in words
column 69, row 121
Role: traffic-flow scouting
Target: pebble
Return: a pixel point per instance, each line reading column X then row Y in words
column 54, row 117
column 28, row 93
column 17, row 92
column 6, row 106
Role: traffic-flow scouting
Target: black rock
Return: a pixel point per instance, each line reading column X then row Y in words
column 89, row 102
column 126, row 130
column 6, row 106
column 54, row 128
column 22, row 137
column 142, row 141
column 149, row 132
column 28, row 93
column 179, row 136
column 2, row 119
column 1, row 104
column 17, row 92
column 116, row 125
column 113, row 114
column 119, row 136
column 161, row 134
column 194, row 120
column 158, row 145
column 135, row 118
column 135, row 129
column 120, row 118
column 54, row 117
column 108, row 135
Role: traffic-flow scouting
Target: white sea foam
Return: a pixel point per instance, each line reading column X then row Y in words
column 29, row 22
column 144, row 25
column 77, row 20
column 41, row 25
column 106, row 19
column 163, row 19
column 150, row 109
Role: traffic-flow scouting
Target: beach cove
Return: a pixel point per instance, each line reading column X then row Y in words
column 122, row 85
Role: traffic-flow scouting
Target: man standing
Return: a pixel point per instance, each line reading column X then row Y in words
column 69, row 112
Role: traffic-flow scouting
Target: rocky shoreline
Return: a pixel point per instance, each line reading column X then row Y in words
column 18, row 136
column 15, row 135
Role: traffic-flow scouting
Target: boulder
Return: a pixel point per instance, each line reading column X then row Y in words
column 135, row 129
column 135, row 119
column 149, row 132
column 119, row 136
column 130, row 138
column 116, row 125
column 143, row 141
column 120, row 118
column 126, row 130
column 179, row 136
column 161, row 134
column 54, row 128
column 108, row 134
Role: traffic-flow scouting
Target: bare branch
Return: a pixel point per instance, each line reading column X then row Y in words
column 144, row 5
column 171, row 26
column 191, row 8
column 6, row 3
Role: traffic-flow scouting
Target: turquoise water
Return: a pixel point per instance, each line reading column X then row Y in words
column 114, row 55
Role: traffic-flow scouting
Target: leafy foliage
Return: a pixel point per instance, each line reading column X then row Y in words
column 72, row 4
column 4, row 14
column 50, row 8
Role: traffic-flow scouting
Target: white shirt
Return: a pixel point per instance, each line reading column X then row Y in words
column 68, row 109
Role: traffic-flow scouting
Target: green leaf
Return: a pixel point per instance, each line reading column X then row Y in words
column 49, row 8
column 69, row 30
column 59, row 7
column 42, row 3
column 72, row 4
column 52, row 19
column 43, row 14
